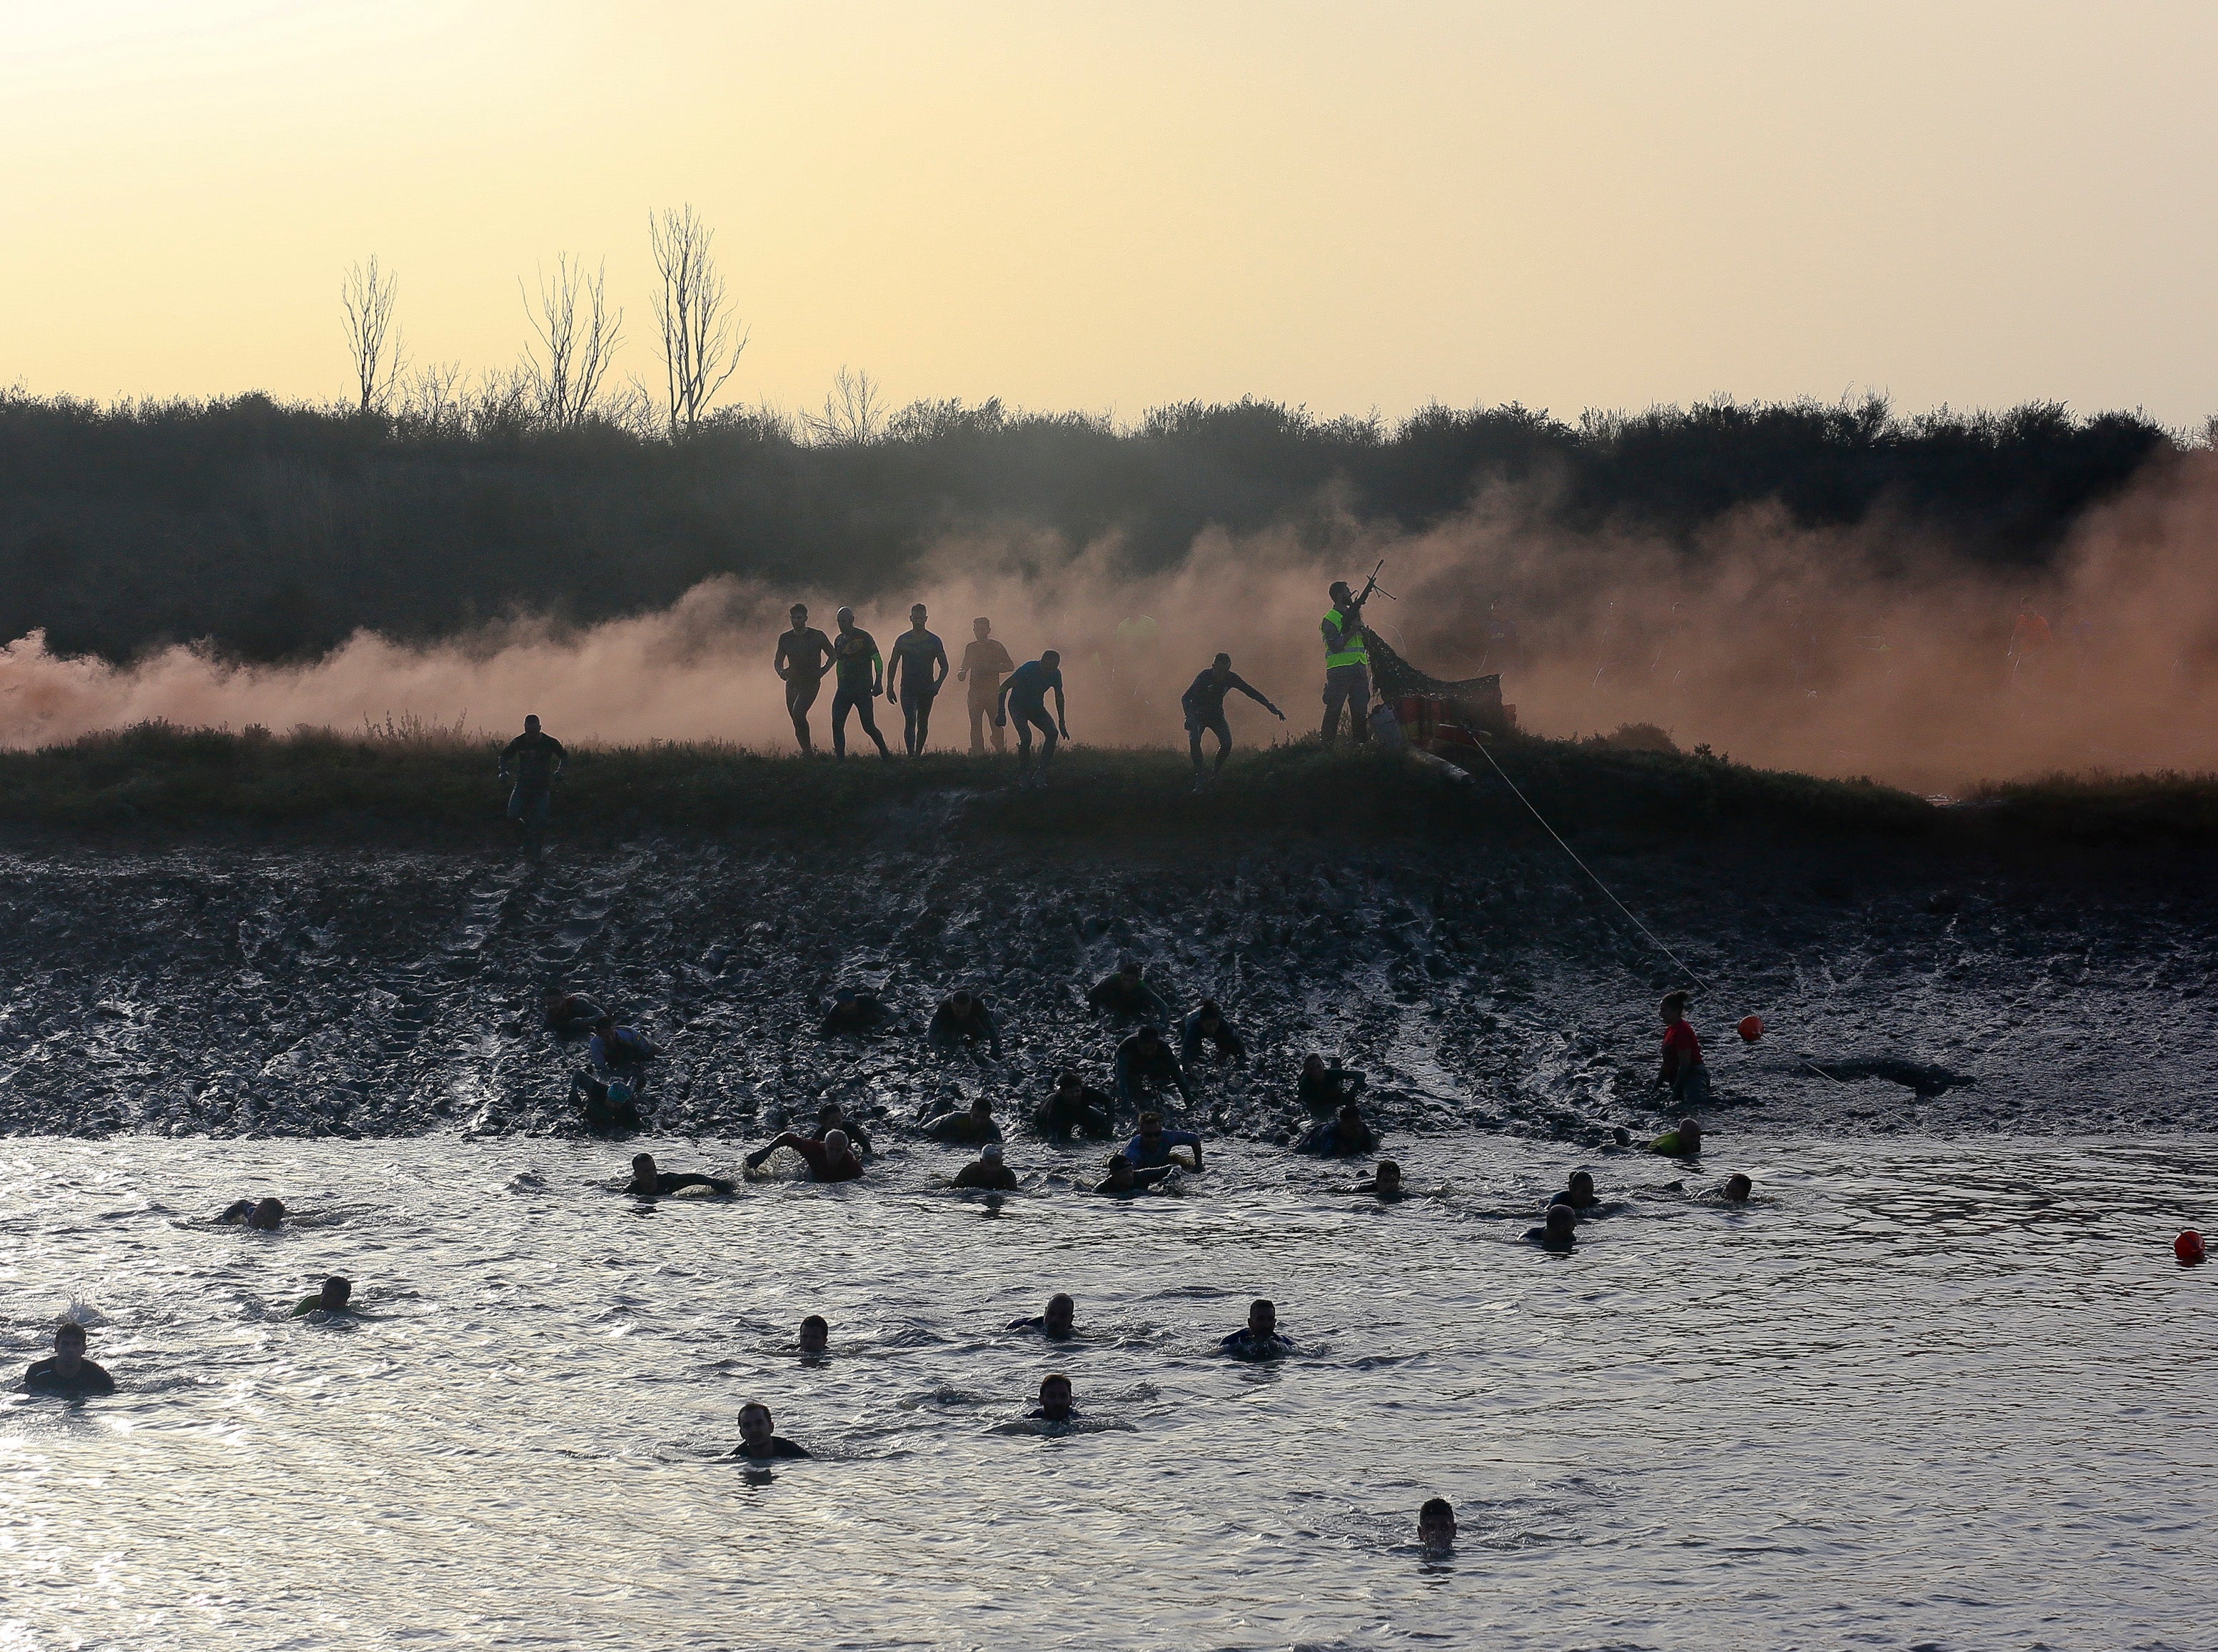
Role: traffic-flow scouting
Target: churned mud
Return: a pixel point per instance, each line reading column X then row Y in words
column 307, row 992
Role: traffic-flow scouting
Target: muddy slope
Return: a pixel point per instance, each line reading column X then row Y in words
column 311, row 991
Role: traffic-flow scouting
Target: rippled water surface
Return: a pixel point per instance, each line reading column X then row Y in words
column 1948, row 1394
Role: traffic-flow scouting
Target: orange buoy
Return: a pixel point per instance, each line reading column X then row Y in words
column 2188, row 1248
column 1751, row 1027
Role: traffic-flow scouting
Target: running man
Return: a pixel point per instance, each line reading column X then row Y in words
column 802, row 654
column 538, row 758
column 985, row 663
column 1203, row 704
column 859, row 671
column 1025, row 695
column 919, row 668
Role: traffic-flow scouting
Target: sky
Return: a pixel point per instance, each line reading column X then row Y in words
column 1354, row 206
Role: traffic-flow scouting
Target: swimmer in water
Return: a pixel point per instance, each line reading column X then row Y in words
column 1560, row 1233
column 1578, row 1192
column 262, row 1215
column 1386, row 1181
column 987, row 1171
column 1057, row 1324
column 69, row 1373
column 1684, row 1143
column 1125, row 1179
column 1737, row 1188
column 1259, row 1339
column 647, row 1182
column 830, row 1118
column 756, row 1440
column 1054, row 1401
column 830, row 1159
column 606, row 1107
column 332, row 1299
column 1322, row 1089
column 815, row 1336
column 966, row 1128
column 1345, row 1137
column 1436, row 1527
column 1152, row 1148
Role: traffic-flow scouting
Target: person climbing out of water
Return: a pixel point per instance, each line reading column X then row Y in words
column 1151, row 1149
column 1259, row 1339
column 1436, row 1527
column 1054, row 1401
column 332, row 1299
column 831, row 1116
column 919, row 669
column 1127, row 995
column 262, row 1215
column 1208, row 1022
column 1386, row 1181
column 1682, row 1072
column 858, row 673
column 801, row 656
column 1344, row 1137
column 648, row 1182
column 68, row 1374
column 1346, row 666
column 985, row 662
column 607, row 1107
column 853, row 1013
column 815, row 1336
column 1075, row 1105
column 988, row 1172
column 1325, row 1089
column 1145, row 1064
column 1125, row 1178
column 1203, row 705
column 1737, row 1188
column 830, row 1158
column 1559, row 1231
column 569, row 1015
column 1024, row 697
column 1683, row 1141
column 538, row 758
column 619, row 1052
column 1578, row 1192
column 973, row 1125
column 1057, row 1324
column 756, row 1439
column 963, row 1018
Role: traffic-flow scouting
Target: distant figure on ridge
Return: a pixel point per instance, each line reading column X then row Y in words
column 1025, row 696
column 861, row 674
column 802, row 654
column 985, row 663
column 919, row 668
column 538, row 758
column 1346, row 666
column 1203, row 705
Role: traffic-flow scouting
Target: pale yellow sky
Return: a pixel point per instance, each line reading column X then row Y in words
column 1114, row 206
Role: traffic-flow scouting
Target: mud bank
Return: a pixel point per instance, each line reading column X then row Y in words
column 309, row 991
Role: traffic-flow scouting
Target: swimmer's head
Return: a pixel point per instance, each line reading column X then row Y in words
column 1210, row 1014
column 1690, row 1129
column 1262, row 1316
column 991, row 1153
column 1561, row 1219
column 1674, row 1006
column 835, row 1142
column 69, row 1334
column 1055, row 1396
column 1067, row 1079
column 754, row 1423
column 336, row 1292
column 1120, row 1171
column 267, row 1214
column 815, row 1334
column 1581, row 1188
column 982, row 1108
column 1436, row 1525
column 1060, row 1311
column 1388, row 1176
column 1739, row 1187
column 642, row 1166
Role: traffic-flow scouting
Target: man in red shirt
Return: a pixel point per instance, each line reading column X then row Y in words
column 1682, row 1072
column 831, row 1157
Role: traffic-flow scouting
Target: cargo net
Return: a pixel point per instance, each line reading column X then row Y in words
column 1435, row 714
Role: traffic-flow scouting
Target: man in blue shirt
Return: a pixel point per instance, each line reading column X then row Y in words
column 1025, row 695
column 1152, row 1148
column 621, row 1051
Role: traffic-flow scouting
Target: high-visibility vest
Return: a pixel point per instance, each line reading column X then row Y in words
column 1353, row 654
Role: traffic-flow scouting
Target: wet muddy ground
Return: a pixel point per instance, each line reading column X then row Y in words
column 231, row 991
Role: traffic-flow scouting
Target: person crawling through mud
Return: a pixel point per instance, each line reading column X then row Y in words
column 1682, row 1072
column 988, row 1172
column 1259, row 1339
column 334, row 1298
column 1323, row 1088
column 1151, row 1149
column 966, row 1128
column 1055, row 1404
column 1057, row 1324
column 1559, row 1232
column 262, row 1215
column 831, row 1116
column 68, row 1373
column 1145, row 1067
column 623, row 1051
column 1075, row 1105
column 1345, row 1137
column 853, row 1014
column 1208, row 1025
column 1127, row 995
column 963, row 1018
column 1684, row 1140
column 569, row 1015
column 538, row 758
column 1125, row 1178
column 647, row 1182
column 830, row 1158
column 1386, row 1181
column 609, row 1107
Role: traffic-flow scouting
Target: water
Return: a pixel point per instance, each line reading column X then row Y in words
column 1925, row 1394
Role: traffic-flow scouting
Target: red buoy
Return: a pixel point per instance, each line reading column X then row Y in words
column 1751, row 1027
column 2188, row 1248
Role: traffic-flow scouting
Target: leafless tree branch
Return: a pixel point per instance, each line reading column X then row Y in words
column 577, row 348
column 368, row 295
column 854, row 412
column 701, row 338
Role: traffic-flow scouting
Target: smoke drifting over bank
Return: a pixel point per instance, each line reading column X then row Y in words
column 1875, row 650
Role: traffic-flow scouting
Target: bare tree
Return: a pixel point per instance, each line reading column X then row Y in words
column 578, row 347
column 367, row 295
column 854, row 412
column 431, row 402
column 699, row 349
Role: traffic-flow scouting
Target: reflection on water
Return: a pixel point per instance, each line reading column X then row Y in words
column 1919, row 1392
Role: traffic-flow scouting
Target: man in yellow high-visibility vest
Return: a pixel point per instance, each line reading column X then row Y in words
column 1346, row 666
